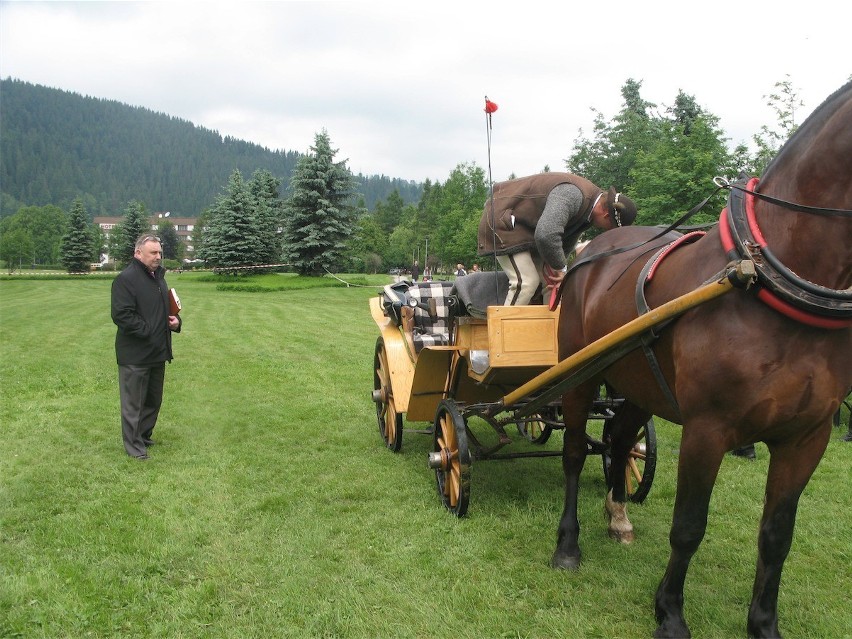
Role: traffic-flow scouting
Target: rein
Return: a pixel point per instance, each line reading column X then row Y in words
column 780, row 287
column 722, row 183
column 672, row 227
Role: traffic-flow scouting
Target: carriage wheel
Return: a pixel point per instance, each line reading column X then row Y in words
column 451, row 458
column 390, row 421
column 534, row 429
column 641, row 462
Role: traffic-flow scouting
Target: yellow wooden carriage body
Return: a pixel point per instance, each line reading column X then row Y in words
column 486, row 357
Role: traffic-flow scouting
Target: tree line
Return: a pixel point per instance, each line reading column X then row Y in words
column 59, row 146
column 663, row 157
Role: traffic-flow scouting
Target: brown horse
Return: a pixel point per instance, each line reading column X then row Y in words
column 735, row 370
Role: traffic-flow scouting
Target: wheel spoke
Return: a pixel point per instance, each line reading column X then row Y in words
column 633, row 472
column 454, row 485
column 453, row 472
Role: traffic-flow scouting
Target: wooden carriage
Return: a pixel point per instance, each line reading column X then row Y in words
column 445, row 354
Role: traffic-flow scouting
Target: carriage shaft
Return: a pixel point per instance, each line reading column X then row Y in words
column 739, row 275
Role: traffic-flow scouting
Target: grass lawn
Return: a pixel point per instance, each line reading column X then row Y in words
column 270, row 508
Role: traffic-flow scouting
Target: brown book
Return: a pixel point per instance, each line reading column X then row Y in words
column 174, row 302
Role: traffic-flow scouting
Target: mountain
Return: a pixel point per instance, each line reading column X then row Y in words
column 56, row 145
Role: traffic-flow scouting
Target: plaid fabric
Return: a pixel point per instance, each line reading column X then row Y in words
column 429, row 332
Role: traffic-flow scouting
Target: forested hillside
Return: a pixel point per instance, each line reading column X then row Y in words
column 56, row 146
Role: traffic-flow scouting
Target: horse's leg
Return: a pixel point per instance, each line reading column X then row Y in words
column 790, row 467
column 625, row 425
column 575, row 409
column 698, row 465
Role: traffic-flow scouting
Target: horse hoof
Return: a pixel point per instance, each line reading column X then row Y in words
column 668, row 633
column 622, row 536
column 672, row 629
column 565, row 562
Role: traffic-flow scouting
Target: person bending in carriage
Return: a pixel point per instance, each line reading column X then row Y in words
column 532, row 224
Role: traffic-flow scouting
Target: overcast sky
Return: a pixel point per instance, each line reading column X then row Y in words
column 400, row 86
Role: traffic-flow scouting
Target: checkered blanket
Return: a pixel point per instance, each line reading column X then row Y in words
column 427, row 331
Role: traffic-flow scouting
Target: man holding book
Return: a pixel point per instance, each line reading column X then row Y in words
column 143, row 311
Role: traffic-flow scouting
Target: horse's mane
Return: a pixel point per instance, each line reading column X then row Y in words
column 815, row 120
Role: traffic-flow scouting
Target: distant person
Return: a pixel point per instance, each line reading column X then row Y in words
column 427, row 274
column 143, row 342
column 415, row 271
column 474, row 268
column 460, row 272
column 535, row 221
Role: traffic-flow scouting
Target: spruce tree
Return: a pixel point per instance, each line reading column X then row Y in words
column 268, row 214
column 321, row 216
column 232, row 238
column 136, row 222
column 78, row 244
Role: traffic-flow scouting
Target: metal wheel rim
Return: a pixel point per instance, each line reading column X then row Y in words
column 641, row 463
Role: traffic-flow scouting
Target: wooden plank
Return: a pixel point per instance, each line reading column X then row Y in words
column 735, row 276
column 522, row 336
column 430, row 379
column 400, row 363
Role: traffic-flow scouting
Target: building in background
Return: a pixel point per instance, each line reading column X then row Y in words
column 184, row 227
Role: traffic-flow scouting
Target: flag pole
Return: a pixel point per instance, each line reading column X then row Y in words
column 491, row 107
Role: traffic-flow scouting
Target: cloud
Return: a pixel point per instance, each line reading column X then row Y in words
column 400, row 87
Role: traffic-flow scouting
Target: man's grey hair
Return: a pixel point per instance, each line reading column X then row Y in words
column 147, row 237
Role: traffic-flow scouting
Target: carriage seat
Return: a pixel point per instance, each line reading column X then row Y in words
column 428, row 324
column 429, row 330
column 477, row 291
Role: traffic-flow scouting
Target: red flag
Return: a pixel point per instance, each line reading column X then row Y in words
column 490, row 107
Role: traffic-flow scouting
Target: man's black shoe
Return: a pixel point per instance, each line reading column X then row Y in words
column 148, row 442
column 141, row 457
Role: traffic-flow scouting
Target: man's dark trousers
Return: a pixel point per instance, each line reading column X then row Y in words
column 141, row 393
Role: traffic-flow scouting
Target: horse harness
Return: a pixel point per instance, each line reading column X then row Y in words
column 642, row 308
column 777, row 286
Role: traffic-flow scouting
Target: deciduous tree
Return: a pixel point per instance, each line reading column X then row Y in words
column 16, row 248
column 172, row 246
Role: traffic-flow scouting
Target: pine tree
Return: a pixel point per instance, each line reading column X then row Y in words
column 78, row 244
column 136, row 222
column 320, row 214
column 232, row 238
column 268, row 214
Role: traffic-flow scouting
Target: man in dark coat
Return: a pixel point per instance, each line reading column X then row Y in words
column 143, row 342
column 535, row 221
